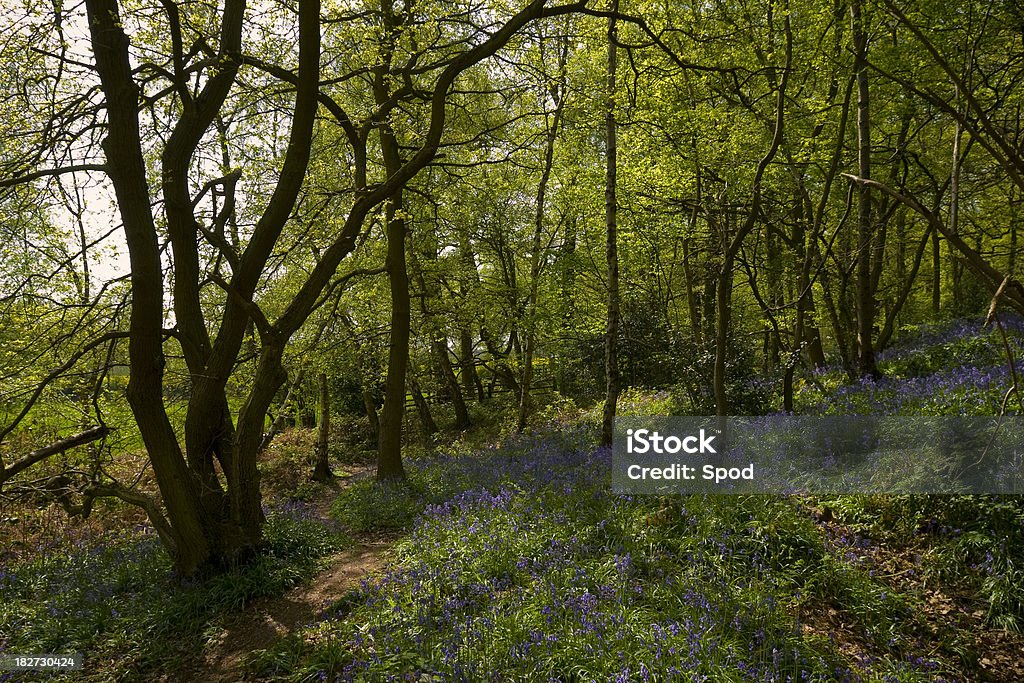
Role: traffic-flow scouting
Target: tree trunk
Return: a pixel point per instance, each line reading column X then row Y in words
column 732, row 246
column 906, row 286
column 866, row 366
column 127, row 170
column 428, row 427
column 467, row 366
column 567, row 310
column 806, row 332
column 439, row 342
column 439, row 349
column 787, row 388
column 502, row 372
column 936, row 275
column 956, row 268
column 305, row 409
column 322, row 468
column 813, row 256
column 723, row 320
column 1011, row 256
column 371, row 415
column 211, row 518
column 278, row 424
column 389, row 451
column 692, row 303
column 611, row 355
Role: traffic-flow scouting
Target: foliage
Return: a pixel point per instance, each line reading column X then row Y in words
column 947, row 369
column 115, row 597
column 280, row 173
column 536, row 571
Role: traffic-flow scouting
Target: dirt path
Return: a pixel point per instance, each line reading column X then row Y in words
column 269, row 619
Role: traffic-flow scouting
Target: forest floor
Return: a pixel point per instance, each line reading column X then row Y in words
column 949, row 617
column 951, row 622
column 269, row 619
column 509, row 555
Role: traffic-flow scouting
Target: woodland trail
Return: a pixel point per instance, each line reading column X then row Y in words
column 269, row 619
column 266, row 620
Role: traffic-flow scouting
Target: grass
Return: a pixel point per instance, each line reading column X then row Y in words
column 539, row 573
column 519, row 563
column 115, row 599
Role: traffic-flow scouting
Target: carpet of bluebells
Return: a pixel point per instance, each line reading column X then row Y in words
column 955, row 368
column 537, row 572
column 520, row 564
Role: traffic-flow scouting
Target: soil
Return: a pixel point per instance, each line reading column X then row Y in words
column 951, row 625
column 266, row 620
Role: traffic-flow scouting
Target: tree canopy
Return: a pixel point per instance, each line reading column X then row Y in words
column 435, row 201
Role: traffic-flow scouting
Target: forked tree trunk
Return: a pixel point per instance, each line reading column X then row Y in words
column 212, row 517
column 200, row 530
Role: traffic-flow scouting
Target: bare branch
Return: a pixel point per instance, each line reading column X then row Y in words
column 21, row 178
column 80, row 439
column 140, row 499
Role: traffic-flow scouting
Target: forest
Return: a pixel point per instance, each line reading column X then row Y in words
column 317, row 318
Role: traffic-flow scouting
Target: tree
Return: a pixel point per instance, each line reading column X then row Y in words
column 865, row 221
column 611, row 355
column 251, row 154
column 322, row 466
column 162, row 102
column 556, row 92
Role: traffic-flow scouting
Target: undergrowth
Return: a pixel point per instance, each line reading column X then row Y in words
column 115, row 598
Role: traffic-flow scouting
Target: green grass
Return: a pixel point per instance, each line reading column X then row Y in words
column 539, row 573
column 115, row 599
